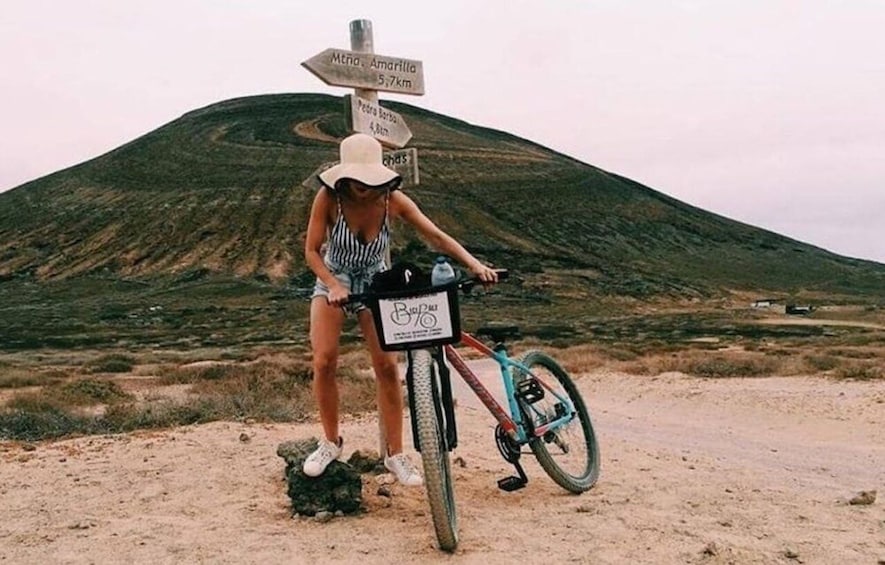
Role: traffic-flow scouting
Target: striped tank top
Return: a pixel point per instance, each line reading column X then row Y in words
column 346, row 253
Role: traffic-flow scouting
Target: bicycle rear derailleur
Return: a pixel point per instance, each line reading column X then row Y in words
column 510, row 450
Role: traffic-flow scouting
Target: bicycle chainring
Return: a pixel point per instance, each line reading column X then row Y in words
column 509, row 449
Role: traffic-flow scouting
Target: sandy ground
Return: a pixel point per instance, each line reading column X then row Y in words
column 693, row 471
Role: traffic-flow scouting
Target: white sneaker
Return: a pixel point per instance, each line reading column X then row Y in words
column 406, row 473
column 325, row 453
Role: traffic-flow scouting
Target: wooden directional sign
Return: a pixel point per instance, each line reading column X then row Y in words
column 367, row 71
column 403, row 161
column 385, row 125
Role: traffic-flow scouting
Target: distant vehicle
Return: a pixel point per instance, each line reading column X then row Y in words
column 799, row 310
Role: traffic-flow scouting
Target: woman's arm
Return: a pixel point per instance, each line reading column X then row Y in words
column 405, row 208
column 317, row 227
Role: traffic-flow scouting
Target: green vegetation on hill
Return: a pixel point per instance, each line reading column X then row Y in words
column 217, row 194
column 220, row 190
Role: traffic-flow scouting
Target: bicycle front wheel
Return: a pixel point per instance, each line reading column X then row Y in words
column 430, row 424
column 569, row 454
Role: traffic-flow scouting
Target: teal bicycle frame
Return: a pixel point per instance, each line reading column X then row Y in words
column 511, row 422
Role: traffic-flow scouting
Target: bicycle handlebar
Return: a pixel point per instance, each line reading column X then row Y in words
column 465, row 284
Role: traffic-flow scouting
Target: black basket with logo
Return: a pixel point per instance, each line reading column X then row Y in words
column 416, row 318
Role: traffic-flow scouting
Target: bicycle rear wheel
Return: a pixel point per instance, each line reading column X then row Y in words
column 431, row 428
column 569, row 454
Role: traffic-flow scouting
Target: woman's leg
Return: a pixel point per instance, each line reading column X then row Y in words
column 326, row 322
column 389, row 387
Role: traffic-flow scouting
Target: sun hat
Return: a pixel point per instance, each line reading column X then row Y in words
column 360, row 161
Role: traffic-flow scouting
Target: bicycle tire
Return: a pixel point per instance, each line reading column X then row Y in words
column 434, row 455
column 575, row 482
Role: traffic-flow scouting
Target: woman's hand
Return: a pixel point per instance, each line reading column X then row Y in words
column 338, row 295
column 484, row 273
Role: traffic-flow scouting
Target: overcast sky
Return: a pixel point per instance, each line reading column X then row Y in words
column 771, row 112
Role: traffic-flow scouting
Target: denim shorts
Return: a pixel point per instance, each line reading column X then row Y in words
column 355, row 280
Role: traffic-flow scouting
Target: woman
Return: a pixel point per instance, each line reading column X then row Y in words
column 351, row 217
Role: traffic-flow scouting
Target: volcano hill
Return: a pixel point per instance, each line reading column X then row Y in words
column 217, row 195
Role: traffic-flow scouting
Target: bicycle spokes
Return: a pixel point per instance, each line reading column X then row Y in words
column 557, row 424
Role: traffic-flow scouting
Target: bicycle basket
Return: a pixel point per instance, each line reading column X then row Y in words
column 417, row 318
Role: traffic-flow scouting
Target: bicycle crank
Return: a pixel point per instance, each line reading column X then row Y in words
column 510, row 450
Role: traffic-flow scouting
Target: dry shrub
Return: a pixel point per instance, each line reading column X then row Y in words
column 715, row 365
column 21, row 377
column 721, row 366
column 640, row 368
column 861, row 372
column 196, row 372
column 854, row 353
column 34, row 402
column 35, row 418
column 271, row 389
column 160, row 414
column 87, row 392
column 581, row 358
column 82, row 392
column 821, row 363
column 277, row 390
column 111, row 363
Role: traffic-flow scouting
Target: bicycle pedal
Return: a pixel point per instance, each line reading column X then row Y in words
column 529, row 391
column 511, row 484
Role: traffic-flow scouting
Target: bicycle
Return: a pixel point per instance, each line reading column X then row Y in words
column 544, row 408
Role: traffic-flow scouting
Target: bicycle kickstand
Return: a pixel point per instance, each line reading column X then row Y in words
column 511, row 452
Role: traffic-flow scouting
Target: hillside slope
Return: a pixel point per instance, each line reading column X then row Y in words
column 219, row 190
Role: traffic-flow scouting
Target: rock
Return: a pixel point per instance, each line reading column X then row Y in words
column 459, row 461
column 863, row 498
column 244, row 437
column 366, row 462
column 710, row 550
column 291, row 451
column 323, row 517
column 339, row 488
column 384, row 490
column 385, row 479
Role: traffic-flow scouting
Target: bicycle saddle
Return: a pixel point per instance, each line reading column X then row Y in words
column 498, row 333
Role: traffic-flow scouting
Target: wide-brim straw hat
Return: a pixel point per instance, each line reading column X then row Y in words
column 361, row 161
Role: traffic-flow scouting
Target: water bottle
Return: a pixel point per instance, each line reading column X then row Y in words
column 442, row 272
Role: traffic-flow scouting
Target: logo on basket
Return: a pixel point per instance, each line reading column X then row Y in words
column 415, row 315
column 415, row 319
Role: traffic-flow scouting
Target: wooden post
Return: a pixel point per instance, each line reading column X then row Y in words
column 361, row 41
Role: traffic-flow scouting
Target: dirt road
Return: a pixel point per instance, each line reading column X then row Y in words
column 693, row 471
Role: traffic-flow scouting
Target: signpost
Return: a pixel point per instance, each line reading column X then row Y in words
column 338, row 67
column 367, row 117
column 368, row 73
column 403, row 161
